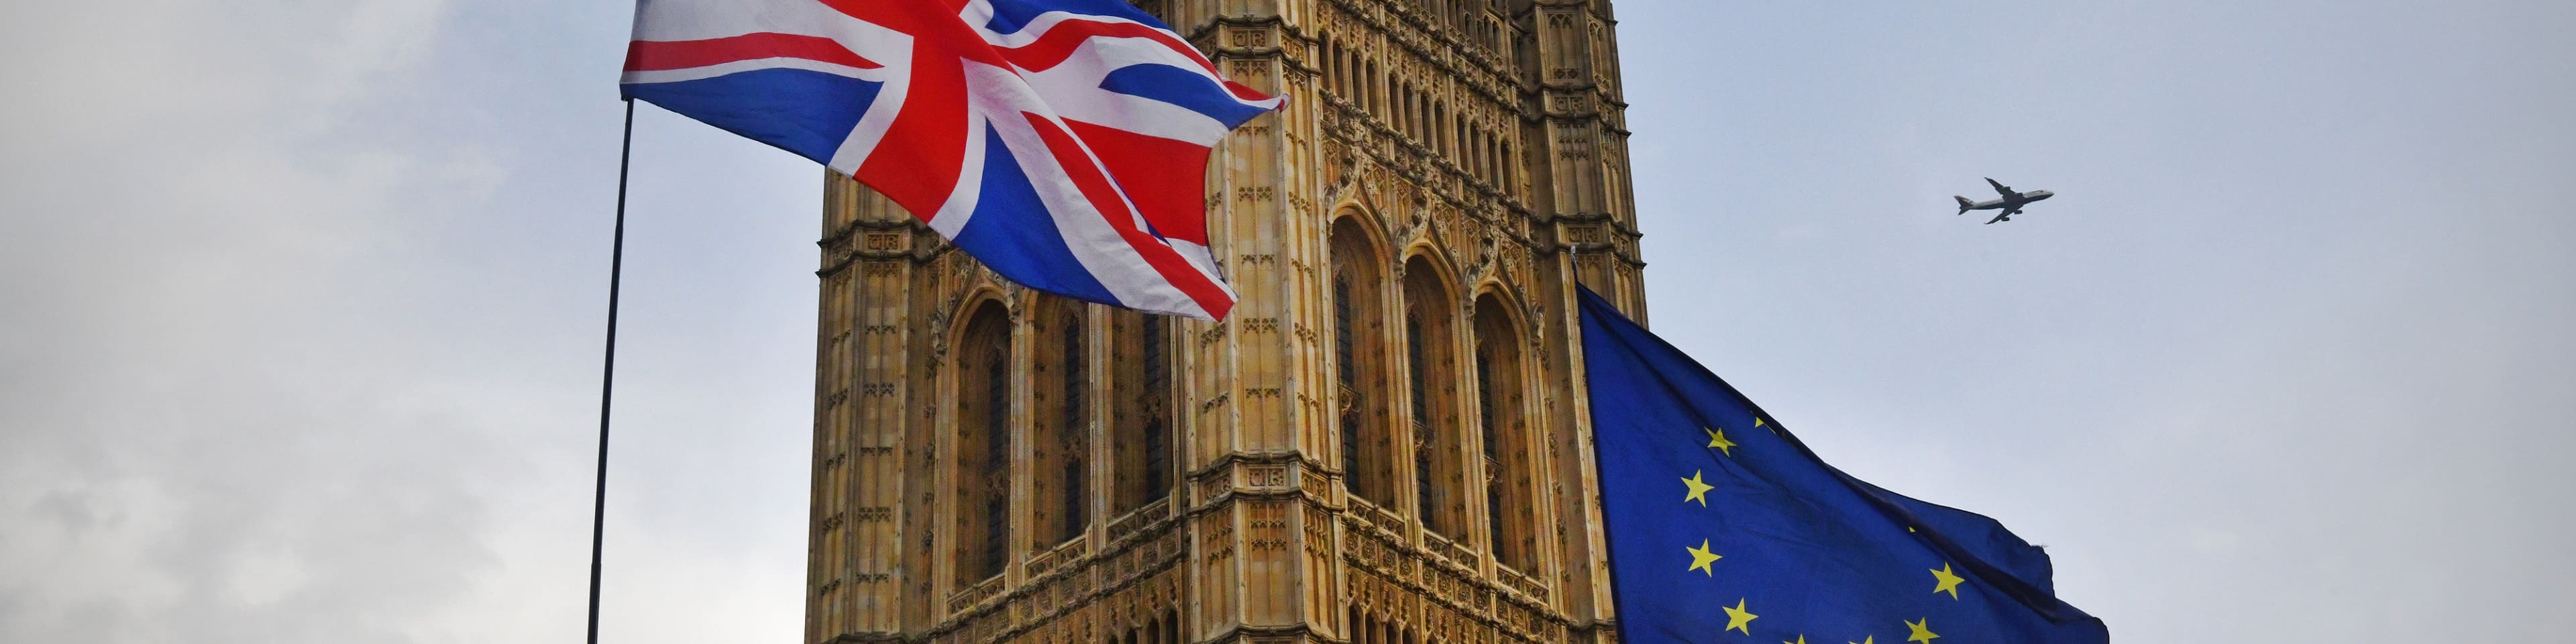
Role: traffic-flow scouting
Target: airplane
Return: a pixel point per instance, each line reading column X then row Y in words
column 2011, row 202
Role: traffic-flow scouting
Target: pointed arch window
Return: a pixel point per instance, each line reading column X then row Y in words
column 1360, row 362
column 1332, row 63
column 983, row 445
column 1368, row 86
column 1438, row 458
column 1060, row 486
column 1142, row 421
column 1511, row 505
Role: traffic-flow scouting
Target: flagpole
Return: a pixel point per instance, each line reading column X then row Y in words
column 608, row 367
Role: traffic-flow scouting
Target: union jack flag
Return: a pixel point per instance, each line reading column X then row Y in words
column 1063, row 143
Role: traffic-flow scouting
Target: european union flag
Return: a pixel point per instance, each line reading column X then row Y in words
column 1724, row 528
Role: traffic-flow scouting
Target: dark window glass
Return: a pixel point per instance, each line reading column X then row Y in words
column 1158, row 451
column 1074, row 433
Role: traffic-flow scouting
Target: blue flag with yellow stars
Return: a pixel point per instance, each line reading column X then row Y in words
column 1724, row 528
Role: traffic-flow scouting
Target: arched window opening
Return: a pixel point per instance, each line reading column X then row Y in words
column 1351, row 76
column 1511, row 506
column 1421, row 117
column 1355, row 78
column 984, row 444
column 1332, row 63
column 1062, row 378
column 1375, row 101
column 1404, row 117
column 1339, row 56
column 1360, row 366
column 1142, row 418
column 1479, row 152
column 1443, row 135
column 1429, row 334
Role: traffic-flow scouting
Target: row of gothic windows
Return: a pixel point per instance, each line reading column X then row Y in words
column 1374, row 352
column 1164, row 628
column 1364, row 626
column 1432, row 422
column 1480, row 151
column 1469, row 17
column 1063, row 386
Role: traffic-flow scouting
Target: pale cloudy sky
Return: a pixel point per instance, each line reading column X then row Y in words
column 302, row 308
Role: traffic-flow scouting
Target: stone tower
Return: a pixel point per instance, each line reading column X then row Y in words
column 1384, row 443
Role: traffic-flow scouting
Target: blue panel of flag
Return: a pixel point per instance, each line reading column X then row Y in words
column 1725, row 528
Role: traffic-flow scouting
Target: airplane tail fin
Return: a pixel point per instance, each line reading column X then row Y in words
column 1964, row 204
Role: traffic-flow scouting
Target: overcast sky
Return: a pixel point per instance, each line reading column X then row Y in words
column 300, row 306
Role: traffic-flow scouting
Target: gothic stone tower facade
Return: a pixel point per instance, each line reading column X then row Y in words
column 1385, row 443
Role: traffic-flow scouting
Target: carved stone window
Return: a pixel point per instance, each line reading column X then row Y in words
column 1443, row 135
column 1511, row 506
column 984, row 444
column 1430, row 336
column 1141, row 423
column 1360, row 366
column 1061, row 479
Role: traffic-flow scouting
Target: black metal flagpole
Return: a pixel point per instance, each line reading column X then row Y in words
column 608, row 367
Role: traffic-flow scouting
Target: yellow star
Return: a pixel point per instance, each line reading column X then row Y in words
column 1872, row 639
column 1701, row 558
column 1698, row 490
column 1757, row 422
column 1946, row 582
column 1717, row 439
column 1802, row 639
column 1737, row 618
column 1921, row 633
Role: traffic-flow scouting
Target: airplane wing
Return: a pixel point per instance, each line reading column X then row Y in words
column 2000, row 217
column 1999, row 187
